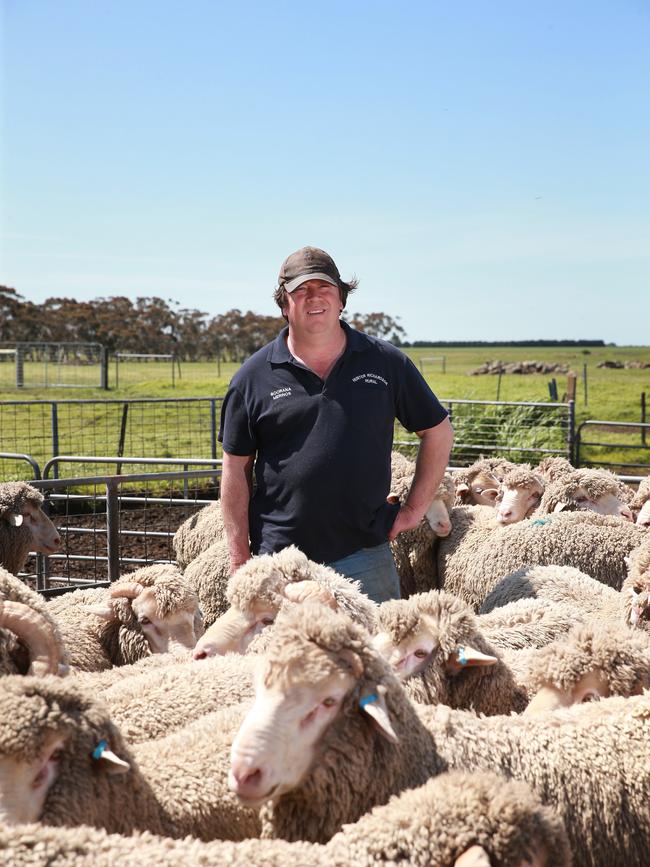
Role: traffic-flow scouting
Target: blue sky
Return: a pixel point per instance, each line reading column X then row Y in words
column 482, row 167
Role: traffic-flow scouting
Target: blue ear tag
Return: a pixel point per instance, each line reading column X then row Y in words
column 461, row 655
column 99, row 749
column 371, row 698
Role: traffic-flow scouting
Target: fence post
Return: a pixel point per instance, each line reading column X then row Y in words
column 444, row 364
column 104, row 369
column 55, row 435
column 552, row 390
column 20, row 370
column 120, row 445
column 213, row 428
column 573, row 439
column 643, row 418
column 571, row 386
column 499, row 384
column 112, row 530
column 584, row 380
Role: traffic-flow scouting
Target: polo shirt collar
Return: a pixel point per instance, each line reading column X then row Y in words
column 279, row 353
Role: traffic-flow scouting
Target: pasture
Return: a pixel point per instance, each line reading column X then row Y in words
column 612, row 394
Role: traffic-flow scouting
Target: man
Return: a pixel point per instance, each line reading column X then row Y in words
column 313, row 414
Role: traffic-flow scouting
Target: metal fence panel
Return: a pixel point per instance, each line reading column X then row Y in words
column 110, row 525
column 51, row 365
column 622, row 446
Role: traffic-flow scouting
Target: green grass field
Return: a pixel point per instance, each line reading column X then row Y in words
column 613, row 395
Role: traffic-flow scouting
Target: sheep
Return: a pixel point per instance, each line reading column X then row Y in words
column 520, row 492
column 259, row 588
column 208, row 574
column 24, row 526
column 588, row 597
column 144, row 613
column 478, row 484
column 332, row 734
column 438, row 649
column 63, row 762
column 595, row 490
column 476, row 555
column 30, row 641
column 453, row 820
column 413, row 549
column 553, row 468
column 159, row 702
column 594, row 661
column 198, row 533
column 528, row 622
column 641, row 503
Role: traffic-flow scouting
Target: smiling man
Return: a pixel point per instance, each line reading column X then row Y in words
column 312, row 416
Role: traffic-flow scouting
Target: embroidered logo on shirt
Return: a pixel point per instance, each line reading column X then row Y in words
column 281, row 392
column 370, row 378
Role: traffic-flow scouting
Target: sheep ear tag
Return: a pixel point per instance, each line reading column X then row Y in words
column 373, row 703
column 107, row 761
column 15, row 519
column 465, row 656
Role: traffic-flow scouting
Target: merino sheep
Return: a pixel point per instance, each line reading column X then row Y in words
column 413, row 549
column 144, row 613
column 198, row 533
column 478, row 484
column 553, row 468
column 520, row 492
column 161, row 701
column 529, row 623
column 641, row 503
column 594, row 661
column 63, row 762
column 588, row 597
column 439, row 651
column 259, row 588
column 450, row 821
column 332, row 734
column 30, row 641
column 595, row 490
column 24, row 526
column 477, row 554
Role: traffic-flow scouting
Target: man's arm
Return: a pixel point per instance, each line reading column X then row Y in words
column 236, row 490
column 432, row 460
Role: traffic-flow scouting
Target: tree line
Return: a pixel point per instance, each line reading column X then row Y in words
column 155, row 325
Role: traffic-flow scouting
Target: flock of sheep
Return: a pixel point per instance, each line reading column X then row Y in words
column 497, row 715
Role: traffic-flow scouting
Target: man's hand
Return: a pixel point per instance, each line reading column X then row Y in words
column 406, row 519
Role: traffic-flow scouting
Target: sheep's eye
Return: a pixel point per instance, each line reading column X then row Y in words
column 421, row 654
column 267, row 621
column 329, row 701
column 144, row 621
column 57, row 755
column 581, row 500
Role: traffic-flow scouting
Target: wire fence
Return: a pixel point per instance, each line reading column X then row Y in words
column 188, row 427
column 52, row 365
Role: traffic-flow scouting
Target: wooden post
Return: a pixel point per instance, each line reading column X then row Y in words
column 584, row 381
column 643, row 418
column 499, row 384
column 571, row 386
column 552, row 390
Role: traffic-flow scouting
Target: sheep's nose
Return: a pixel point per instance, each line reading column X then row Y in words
column 504, row 515
column 643, row 522
column 443, row 528
column 245, row 781
column 626, row 514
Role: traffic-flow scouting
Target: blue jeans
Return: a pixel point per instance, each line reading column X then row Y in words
column 374, row 568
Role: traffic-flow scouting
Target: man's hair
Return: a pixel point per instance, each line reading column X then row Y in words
column 280, row 293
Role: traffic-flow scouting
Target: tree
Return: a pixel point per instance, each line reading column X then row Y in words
column 378, row 325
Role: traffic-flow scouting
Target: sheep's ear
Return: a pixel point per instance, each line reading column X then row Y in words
column 15, row 519
column 463, row 488
column 475, row 856
column 104, row 610
column 107, row 761
column 627, row 561
column 372, row 702
column 560, row 506
column 465, row 656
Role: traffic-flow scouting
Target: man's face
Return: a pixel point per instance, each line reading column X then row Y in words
column 313, row 307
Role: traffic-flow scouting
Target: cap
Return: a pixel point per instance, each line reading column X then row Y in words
column 308, row 263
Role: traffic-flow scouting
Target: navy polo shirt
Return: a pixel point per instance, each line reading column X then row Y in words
column 322, row 467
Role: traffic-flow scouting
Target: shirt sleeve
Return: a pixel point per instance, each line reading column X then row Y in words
column 417, row 407
column 235, row 433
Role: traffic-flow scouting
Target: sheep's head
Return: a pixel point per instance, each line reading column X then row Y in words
column 519, row 495
column 48, row 725
column 587, row 490
column 157, row 609
column 477, row 487
column 24, row 525
column 438, row 513
column 257, row 591
column 554, row 468
column 636, row 588
column 319, row 669
column 430, row 632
